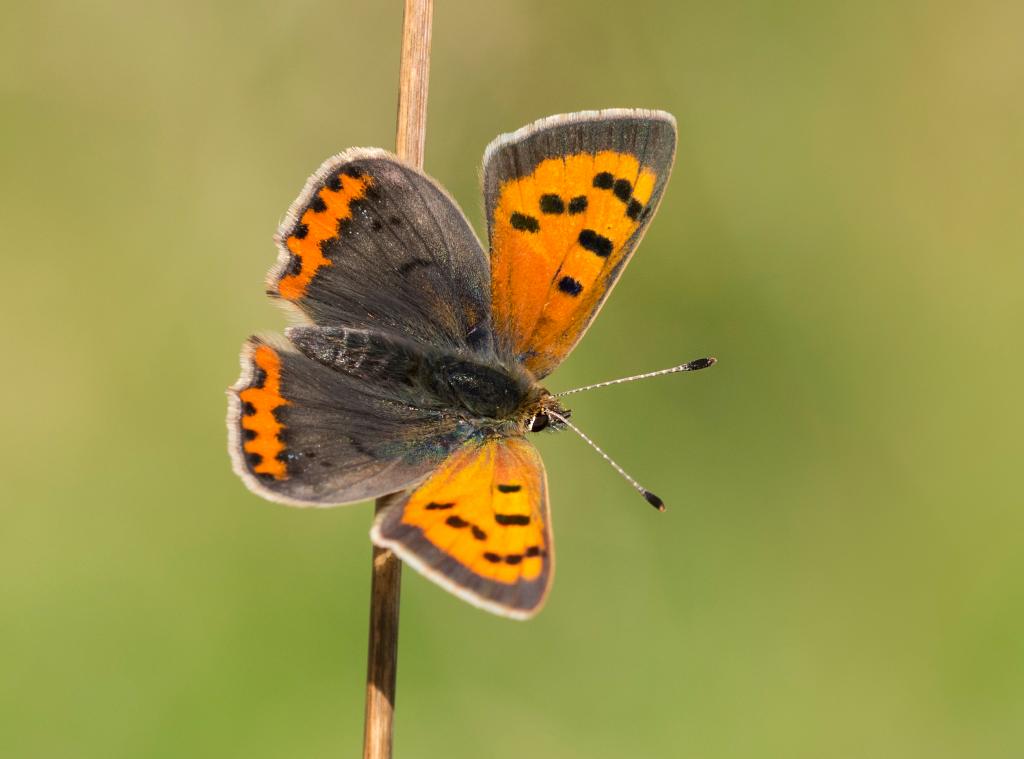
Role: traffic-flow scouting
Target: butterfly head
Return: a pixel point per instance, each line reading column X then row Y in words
column 546, row 413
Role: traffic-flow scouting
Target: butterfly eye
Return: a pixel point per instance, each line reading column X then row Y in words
column 539, row 422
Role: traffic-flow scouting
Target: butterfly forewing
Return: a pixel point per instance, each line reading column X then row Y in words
column 479, row 526
column 372, row 242
column 568, row 199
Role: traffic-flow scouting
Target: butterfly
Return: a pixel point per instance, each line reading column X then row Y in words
column 418, row 367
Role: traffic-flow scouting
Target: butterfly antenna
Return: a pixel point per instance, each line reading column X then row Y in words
column 650, row 497
column 689, row 366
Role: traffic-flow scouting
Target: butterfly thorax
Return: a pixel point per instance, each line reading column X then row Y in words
column 494, row 397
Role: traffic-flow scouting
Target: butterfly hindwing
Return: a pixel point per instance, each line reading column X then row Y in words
column 479, row 526
column 568, row 199
column 334, row 421
column 372, row 242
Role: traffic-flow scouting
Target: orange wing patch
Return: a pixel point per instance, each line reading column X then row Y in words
column 479, row 526
column 483, row 509
column 329, row 207
column 559, row 237
column 261, row 431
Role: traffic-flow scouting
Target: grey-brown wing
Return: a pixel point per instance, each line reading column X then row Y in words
column 372, row 242
column 331, row 419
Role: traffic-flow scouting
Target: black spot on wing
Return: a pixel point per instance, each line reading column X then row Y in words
column 552, row 204
column 317, row 204
column 300, row 231
column 623, row 190
column 524, row 223
column 520, row 520
column 456, row 521
column 510, row 488
column 570, row 286
column 597, row 244
column 578, row 204
column 434, row 506
column 294, row 267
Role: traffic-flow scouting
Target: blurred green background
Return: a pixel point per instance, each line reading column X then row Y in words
column 840, row 572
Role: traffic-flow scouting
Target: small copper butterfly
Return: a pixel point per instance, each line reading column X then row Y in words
column 418, row 370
